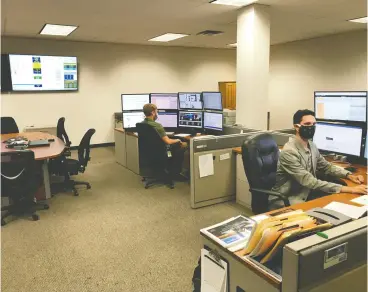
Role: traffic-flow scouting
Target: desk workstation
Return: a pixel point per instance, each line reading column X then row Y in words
column 150, row 146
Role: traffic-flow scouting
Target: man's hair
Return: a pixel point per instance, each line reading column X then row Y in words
column 149, row 108
column 298, row 116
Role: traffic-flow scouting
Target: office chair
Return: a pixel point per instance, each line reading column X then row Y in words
column 69, row 167
column 20, row 182
column 8, row 125
column 154, row 161
column 260, row 155
column 62, row 135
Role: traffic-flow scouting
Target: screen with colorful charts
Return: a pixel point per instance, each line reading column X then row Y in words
column 42, row 73
column 190, row 119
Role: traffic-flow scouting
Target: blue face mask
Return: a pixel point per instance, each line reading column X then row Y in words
column 307, row 132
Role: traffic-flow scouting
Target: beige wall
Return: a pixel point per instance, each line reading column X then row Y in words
column 106, row 71
column 297, row 69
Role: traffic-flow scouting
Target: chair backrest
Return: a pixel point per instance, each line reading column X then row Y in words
column 18, row 174
column 152, row 150
column 8, row 125
column 84, row 149
column 61, row 133
column 260, row 155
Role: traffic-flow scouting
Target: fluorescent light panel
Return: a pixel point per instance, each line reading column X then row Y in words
column 233, row 45
column 57, row 29
column 360, row 20
column 238, row 3
column 167, row 37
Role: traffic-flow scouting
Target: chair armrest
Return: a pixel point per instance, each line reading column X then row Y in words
column 272, row 193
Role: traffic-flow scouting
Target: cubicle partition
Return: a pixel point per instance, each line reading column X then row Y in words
column 213, row 168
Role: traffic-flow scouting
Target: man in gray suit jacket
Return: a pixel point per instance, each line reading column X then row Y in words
column 300, row 161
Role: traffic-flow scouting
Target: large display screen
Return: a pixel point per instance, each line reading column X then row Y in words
column 338, row 138
column 134, row 102
column 212, row 101
column 165, row 101
column 42, row 73
column 343, row 106
column 190, row 119
column 213, row 121
column 132, row 118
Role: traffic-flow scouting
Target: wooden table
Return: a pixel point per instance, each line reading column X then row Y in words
column 43, row 153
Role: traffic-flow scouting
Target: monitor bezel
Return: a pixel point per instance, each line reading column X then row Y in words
column 121, row 98
column 211, row 109
column 330, row 120
column 341, row 153
column 48, row 90
column 188, row 109
column 213, row 112
column 191, row 111
column 173, row 109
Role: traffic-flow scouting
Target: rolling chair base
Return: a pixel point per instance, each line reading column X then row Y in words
column 148, row 182
column 68, row 186
column 22, row 210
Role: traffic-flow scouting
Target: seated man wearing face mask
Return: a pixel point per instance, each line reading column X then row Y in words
column 299, row 162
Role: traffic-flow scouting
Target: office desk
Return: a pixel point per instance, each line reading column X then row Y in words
column 43, row 154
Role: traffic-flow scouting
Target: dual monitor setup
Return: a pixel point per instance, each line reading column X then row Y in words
column 193, row 112
column 341, row 123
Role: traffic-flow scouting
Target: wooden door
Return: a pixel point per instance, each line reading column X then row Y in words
column 228, row 91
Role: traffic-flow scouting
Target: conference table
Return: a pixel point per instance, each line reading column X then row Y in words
column 43, row 153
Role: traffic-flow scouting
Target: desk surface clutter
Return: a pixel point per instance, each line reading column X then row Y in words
column 55, row 149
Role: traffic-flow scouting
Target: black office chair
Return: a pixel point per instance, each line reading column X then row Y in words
column 20, row 182
column 8, row 125
column 154, row 161
column 68, row 167
column 62, row 135
column 260, row 155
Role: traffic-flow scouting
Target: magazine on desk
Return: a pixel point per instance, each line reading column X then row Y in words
column 232, row 233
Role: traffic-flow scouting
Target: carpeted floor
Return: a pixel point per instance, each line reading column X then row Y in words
column 115, row 237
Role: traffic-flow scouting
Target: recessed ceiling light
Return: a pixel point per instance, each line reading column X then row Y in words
column 167, row 37
column 233, row 2
column 360, row 20
column 233, row 45
column 57, row 29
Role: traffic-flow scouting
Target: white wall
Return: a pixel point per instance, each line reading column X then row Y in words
column 297, row 69
column 106, row 71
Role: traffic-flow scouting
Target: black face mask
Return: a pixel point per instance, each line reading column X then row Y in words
column 307, row 132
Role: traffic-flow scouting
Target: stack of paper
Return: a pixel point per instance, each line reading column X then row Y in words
column 348, row 210
column 362, row 200
column 232, row 233
column 213, row 273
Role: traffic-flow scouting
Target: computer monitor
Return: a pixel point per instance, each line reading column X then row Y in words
column 213, row 121
column 212, row 101
column 134, row 102
column 341, row 106
column 168, row 119
column 131, row 118
column 165, row 101
column 190, row 119
column 337, row 138
column 366, row 148
column 190, row 101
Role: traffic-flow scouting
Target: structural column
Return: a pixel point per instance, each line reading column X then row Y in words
column 253, row 58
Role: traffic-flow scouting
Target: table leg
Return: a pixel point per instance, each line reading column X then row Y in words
column 46, row 179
